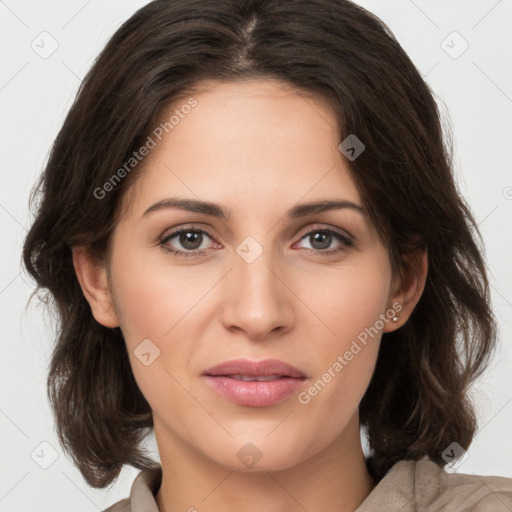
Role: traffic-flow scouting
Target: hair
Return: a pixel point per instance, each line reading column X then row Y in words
column 417, row 401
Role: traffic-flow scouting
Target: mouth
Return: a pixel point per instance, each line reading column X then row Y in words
column 255, row 383
column 259, row 378
column 245, row 368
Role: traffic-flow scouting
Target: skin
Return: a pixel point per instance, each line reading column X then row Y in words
column 257, row 148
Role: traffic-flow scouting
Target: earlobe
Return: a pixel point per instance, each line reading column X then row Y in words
column 410, row 288
column 92, row 276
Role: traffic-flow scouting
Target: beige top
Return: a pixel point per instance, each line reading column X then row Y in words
column 408, row 486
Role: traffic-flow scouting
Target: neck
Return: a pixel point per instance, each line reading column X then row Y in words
column 335, row 479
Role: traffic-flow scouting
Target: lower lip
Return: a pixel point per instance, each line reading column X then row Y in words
column 254, row 393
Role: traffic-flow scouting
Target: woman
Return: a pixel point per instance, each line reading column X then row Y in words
column 250, row 229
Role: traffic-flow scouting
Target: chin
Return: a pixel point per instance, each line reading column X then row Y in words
column 257, row 453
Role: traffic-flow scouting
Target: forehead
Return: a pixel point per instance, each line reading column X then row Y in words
column 252, row 143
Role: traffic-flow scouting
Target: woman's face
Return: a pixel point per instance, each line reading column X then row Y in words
column 311, row 287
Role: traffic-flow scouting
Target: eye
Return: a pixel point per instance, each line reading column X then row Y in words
column 191, row 241
column 321, row 241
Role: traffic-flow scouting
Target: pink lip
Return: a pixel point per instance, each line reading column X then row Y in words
column 255, row 393
column 254, row 368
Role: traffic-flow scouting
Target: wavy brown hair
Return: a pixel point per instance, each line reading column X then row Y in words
column 416, row 403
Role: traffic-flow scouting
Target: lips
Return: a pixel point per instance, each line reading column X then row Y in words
column 247, row 368
column 255, row 383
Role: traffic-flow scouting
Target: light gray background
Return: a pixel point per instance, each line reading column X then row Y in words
column 475, row 93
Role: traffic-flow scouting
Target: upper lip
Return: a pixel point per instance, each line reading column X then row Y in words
column 255, row 368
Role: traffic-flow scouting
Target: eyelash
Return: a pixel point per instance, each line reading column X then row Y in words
column 341, row 238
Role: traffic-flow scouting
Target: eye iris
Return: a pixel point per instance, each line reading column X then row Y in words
column 323, row 238
column 189, row 237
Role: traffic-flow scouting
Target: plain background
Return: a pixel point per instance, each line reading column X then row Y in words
column 473, row 86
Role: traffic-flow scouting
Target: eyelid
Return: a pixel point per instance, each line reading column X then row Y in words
column 171, row 233
column 327, row 227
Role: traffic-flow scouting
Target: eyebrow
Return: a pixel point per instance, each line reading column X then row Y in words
column 215, row 210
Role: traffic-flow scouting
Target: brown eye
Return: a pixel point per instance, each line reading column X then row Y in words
column 321, row 240
column 185, row 242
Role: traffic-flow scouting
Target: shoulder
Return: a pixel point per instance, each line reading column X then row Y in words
column 460, row 492
column 423, row 485
column 142, row 493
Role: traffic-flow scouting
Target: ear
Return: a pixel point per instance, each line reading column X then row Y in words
column 408, row 287
column 92, row 276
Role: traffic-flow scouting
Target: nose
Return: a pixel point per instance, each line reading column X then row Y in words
column 258, row 300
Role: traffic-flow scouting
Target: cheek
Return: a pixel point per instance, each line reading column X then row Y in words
column 157, row 302
column 149, row 298
column 151, row 303
column 349, row 306
column 347, row 301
